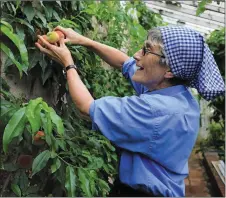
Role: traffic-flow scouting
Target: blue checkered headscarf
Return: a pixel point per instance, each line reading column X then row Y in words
column 191, row 59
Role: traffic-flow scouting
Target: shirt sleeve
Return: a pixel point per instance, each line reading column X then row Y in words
column 128, row 70
column 123, row 121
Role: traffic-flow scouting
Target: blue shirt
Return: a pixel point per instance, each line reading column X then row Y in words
column 156, row 130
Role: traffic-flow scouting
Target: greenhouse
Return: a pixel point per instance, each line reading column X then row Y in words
column 112, row 98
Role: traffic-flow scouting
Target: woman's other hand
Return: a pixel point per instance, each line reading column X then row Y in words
column 60, row 54
column 73, row 37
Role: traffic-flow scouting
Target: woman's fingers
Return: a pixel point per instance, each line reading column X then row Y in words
column 66, row 40
column 48, row 53
column 44, row 50
column 60, row 28
column 62, row 44
column 46, row 43
column 39, row 47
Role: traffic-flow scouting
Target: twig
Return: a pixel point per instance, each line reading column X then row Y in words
column 73, row 165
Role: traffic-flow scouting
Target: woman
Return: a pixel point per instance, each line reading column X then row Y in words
column 156, row 129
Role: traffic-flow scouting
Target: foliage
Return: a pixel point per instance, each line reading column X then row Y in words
column 215, row 140
column 107, row 83
column 71, row 159
column 216, row 43
column 70, row 154
column 146, row 18
column 216, row 137
column 202, row 6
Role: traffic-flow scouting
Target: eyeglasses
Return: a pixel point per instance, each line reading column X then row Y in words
column 147, row 51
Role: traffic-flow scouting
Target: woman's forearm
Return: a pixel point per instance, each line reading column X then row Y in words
column 110, row 55
column 78, row 91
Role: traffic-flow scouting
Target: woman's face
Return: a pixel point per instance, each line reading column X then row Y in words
column 150, row 73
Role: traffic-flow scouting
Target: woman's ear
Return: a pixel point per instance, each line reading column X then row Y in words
column 168, row 74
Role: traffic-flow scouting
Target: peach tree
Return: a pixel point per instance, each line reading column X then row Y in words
column 49, row 149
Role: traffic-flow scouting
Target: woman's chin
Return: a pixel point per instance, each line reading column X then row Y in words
column 137, row 78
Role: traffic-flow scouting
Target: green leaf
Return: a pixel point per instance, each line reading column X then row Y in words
column 46, row 75
column 59, row 3
column 42, row 62
column 7, row 25
column 48, row 10
column 85, row 184
column 70, row 183
column 33, row 114
column 56, row 165
column 62, row 144
column 201, row 6
column 95, row 162
column 20, row 31
column 7, row 109
column 20, row 45
column 57, row 121
column 23, row 22
column 23, row 180
column 69, row 23
column 103, row 186
column 18, row 2
column 93, row 177
column 60, row 174
column 31, row 190
column 55, row 14
column 47, row 126
column 14, row 128
column 46, row 119
column 13, row 8
column 9, row 53
column 10, row 166
column 16, row 189
column 34, row 57
column 40, row 161
column 19, row 20
column 42, row 17
column 29, row 11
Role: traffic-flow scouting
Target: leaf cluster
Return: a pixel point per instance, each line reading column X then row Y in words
column 72, row 157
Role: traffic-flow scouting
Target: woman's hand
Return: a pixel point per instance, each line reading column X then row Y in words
column 60, row 54
column 73, row 37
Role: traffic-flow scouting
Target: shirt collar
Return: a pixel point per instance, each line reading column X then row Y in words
column 169, row 90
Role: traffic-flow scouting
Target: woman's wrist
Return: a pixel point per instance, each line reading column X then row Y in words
column 86, row 42
column 69, row 61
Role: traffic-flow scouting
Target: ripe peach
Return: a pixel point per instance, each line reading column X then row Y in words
column 60, row 34
column 38, row 135
column 25, row 161
column 55, row 36
column 52, row 37
column 37, row 138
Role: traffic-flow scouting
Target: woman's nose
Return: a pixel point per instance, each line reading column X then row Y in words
column 137, row 55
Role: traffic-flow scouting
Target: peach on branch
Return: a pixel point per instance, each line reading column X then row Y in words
column 55, row 36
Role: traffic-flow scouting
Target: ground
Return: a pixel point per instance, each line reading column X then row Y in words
column 197, row 184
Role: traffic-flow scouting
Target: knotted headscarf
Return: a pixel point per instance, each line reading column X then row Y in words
column 191, row 59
